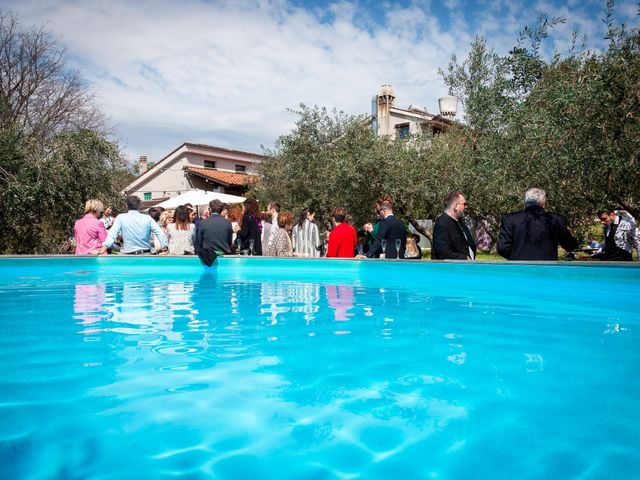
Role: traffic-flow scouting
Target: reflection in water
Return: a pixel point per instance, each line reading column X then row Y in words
column 197, row 312
column 256, row 330
column 278, row 298
column 372, row 371
column 340, row 299
column 88, row 303
column 231, row 379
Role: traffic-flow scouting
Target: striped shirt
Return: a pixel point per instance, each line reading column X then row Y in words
column 306, row 239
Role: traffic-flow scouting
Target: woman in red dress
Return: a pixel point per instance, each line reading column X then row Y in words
column 343, row 238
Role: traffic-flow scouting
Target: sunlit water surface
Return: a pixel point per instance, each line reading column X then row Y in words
column 276, row 369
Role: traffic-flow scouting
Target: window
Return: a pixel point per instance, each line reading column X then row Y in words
column 402, row 130
column 241, row 168
column 147, row 196
column 209, row 164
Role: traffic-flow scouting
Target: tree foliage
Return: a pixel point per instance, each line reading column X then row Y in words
column 569, row 124
column 326, row 161
column 54, row 151
column 330, row 159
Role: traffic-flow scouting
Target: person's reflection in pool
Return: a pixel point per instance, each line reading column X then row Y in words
column 205, row 291
column 340, row 299
column 224, row 307
column 88, row 304
column 277, row 299
column 273, row 300
column 306, row 296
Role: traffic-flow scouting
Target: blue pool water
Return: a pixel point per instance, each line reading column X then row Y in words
column 119, row 368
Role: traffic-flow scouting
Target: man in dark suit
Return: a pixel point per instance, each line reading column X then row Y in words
column 532, row 233
column 389, row 230
column 620, row 237
column 215, row 233
column 452, row 239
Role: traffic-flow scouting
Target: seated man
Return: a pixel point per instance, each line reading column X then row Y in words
column 215, row 233
column 592, row 242
column 136, row 228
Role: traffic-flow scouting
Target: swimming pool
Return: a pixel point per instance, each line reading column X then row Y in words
column 280, row 369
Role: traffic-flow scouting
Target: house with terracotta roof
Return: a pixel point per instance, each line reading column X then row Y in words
column 387, row 119
column 192, row 166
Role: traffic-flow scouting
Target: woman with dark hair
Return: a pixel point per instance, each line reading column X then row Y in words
column 181, row 233
column 306, row 239
column 251, row 229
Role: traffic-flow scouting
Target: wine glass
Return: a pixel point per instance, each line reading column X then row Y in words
column 238, row 245
column 398, row 244
column 251, row 245
column 360, row 249
column 383, row 243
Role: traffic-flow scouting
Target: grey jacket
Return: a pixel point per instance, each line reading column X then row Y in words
column 627, row 235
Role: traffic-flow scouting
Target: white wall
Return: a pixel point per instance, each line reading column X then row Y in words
column 196, row 160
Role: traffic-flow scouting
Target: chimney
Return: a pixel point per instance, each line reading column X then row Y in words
column 385, row 98
column 143, row 165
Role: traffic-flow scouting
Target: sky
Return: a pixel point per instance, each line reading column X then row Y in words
column 227, row 73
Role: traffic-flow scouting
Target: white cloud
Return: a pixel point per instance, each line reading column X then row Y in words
column 224, row 73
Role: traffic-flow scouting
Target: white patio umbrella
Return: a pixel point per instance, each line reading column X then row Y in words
column 199, row 197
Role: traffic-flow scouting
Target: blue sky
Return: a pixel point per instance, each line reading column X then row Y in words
column 225, row 73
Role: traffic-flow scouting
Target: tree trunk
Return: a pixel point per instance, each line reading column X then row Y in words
column 421, row 230
column 634, row 212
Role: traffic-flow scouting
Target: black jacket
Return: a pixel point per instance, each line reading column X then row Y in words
column 533, row 234
column 389, row 229
column 449, row 242
column 250, row 230
column 214, row 233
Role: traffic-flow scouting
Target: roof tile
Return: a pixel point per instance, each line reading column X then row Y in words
column 220, row 176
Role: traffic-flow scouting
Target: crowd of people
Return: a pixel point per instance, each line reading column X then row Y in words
column 532, row 234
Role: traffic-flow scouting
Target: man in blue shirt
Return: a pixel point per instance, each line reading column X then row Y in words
column 136, row 228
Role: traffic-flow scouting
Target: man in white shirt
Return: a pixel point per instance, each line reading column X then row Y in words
column 621, row 236
column 136, row 228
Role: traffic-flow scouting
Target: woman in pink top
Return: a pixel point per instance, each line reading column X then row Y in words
column 89, row 230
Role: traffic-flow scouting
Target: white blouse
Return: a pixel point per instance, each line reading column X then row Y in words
column 181, row 241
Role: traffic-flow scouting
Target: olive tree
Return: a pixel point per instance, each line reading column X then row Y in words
column 568, row 124
column 54, row 149
column 330, row 159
